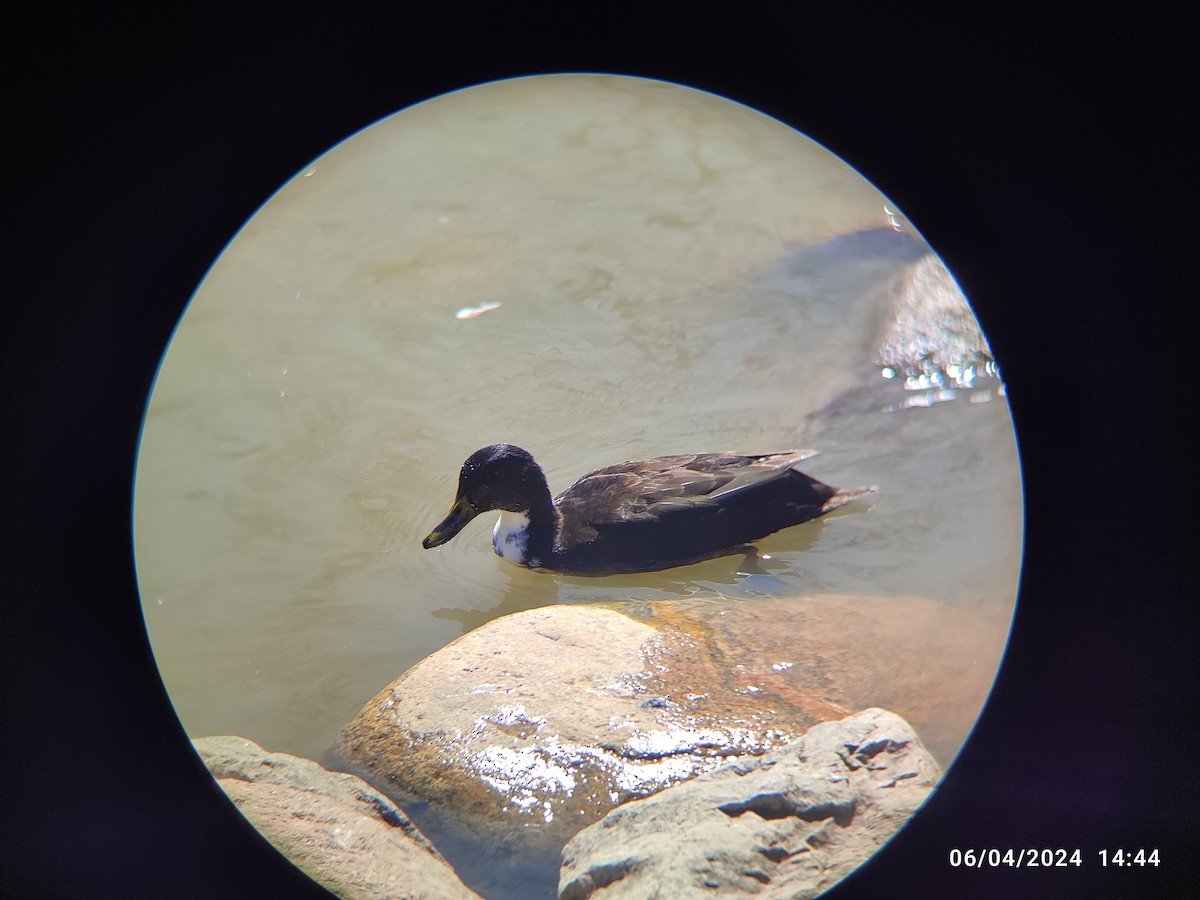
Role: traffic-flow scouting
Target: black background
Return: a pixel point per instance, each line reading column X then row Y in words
column 1048, row 159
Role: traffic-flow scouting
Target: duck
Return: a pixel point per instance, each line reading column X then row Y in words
column 637, row 516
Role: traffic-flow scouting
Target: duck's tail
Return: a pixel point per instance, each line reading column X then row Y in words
column 842, row 496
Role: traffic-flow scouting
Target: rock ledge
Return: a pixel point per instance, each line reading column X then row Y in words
column 791, row 823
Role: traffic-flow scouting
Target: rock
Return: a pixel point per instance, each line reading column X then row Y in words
column 928, row 330
column 520, row 733
column 926, row 344
column 336, row 828
column 791, row 823
column 787, row 663
column 523, row 731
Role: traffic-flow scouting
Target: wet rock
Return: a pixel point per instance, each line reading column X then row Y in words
column 341, row 832
column 523, row 731
column 929, row 340
column 925, row 343
column 791, row 823
column 929, row 327
column 535, row 725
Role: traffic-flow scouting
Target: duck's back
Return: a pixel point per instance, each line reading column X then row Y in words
column 672, row 510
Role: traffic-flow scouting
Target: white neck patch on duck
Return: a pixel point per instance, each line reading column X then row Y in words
column 510, row 537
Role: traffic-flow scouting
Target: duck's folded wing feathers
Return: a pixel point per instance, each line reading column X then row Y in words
column 652, row 488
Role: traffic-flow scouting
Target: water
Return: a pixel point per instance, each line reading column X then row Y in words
column 596, row 269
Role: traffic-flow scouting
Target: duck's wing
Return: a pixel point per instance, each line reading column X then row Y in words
column 649, row 489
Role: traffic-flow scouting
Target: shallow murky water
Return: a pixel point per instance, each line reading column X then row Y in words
column 595, row 268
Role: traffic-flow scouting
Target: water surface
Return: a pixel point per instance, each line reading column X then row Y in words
column 595, row 268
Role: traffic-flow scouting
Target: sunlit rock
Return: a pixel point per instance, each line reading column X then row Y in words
column 929, row 340
column 335, row 827
column 791, row 823
column 922, row 343
column 533, row 726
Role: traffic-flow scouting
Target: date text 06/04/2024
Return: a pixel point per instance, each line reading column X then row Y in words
column 1031, row 858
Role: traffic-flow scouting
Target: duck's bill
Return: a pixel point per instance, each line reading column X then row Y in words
column 460, row 515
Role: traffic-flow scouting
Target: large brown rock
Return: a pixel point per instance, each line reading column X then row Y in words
column 538, row 718
column 517, row 735
column 529, row 728
column 789, row 824
column 341, row 832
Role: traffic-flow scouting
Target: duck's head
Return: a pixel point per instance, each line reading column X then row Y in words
column 498, row 476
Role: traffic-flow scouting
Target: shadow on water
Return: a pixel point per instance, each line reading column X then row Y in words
column 847, row 266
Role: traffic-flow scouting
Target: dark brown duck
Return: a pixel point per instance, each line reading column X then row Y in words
column 636, row 516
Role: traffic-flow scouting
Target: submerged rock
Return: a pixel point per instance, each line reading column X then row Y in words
column 787, row 663
column 791, row 823
column 342, row 833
